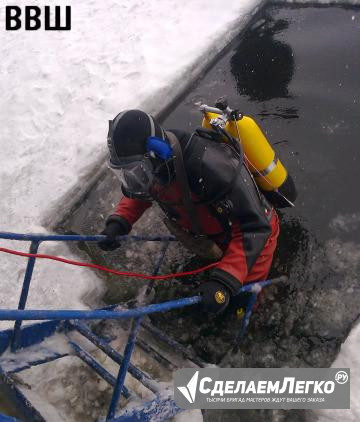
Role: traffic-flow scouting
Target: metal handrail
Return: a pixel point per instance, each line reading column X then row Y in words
column 37, row 238
column 137, row 315
column 32, row 237
column 34, row 315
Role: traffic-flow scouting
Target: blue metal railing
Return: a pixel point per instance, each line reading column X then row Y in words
column 34, row 315
column 36, row 239
column 78, row 237
column 21, row 314
column 73, row 316
column 34, row 246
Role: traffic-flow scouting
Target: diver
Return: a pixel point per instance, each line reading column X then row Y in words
column 208, row 195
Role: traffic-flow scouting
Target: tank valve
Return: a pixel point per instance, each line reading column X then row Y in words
column 222, row 103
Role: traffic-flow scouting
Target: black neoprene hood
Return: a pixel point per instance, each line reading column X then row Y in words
column 128, row 133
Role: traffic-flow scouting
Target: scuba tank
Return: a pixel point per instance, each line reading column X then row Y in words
column 268, row 172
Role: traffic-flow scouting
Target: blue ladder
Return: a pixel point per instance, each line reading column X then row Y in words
column 64, row 321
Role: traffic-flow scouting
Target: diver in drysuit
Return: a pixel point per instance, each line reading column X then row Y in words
column 207, row 193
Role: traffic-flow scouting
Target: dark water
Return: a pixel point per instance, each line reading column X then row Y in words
column 296, row 71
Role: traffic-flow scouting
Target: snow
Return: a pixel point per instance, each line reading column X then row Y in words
column 58, row 90
column 348, row 358
column 37, row 352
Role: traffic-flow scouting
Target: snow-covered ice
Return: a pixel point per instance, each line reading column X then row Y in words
column 346, row 255
column 348, row 358
column 58, row 91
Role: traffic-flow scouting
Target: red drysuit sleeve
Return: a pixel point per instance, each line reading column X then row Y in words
column 131, row 209
column 233, row 270
column 233, row 265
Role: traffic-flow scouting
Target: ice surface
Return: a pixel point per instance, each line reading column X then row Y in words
column 59, row 89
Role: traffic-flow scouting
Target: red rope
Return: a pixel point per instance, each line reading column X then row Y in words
column 108, row 270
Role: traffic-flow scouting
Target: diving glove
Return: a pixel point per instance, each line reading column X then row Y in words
column 112, row 230
column 215, row 297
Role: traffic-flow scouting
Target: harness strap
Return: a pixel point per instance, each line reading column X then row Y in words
column 182, row 179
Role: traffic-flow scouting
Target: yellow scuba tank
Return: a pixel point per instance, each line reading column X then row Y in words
column 268, row 171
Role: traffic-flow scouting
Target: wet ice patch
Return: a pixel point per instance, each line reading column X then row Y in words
column 346, row 223
column 344, row 256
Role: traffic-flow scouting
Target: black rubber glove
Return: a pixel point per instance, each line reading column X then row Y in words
column 112, row 230
column 215, row 297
